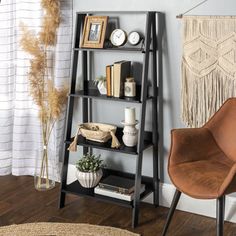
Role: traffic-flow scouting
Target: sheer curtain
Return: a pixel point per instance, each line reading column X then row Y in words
column 19, row 124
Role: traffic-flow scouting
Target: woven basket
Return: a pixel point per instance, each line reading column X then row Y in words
column 96, row 131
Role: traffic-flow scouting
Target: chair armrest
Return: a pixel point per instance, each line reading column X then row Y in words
column 191, row 144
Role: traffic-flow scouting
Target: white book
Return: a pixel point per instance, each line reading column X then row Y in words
column 109, row 193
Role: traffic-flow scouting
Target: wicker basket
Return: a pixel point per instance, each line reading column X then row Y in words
column 96, row 131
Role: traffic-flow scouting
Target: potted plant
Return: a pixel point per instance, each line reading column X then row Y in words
column 101, row 83
column 89, row 170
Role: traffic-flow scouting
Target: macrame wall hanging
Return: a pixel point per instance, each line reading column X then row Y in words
column 208, row 66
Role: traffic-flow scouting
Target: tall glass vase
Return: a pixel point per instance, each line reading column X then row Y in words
column 45, row 169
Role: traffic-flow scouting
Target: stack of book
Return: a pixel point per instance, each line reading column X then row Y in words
column 117, row 187
column 116, row 75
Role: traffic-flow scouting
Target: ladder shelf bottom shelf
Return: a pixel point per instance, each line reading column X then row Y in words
column 77, row 189
column 107, row 146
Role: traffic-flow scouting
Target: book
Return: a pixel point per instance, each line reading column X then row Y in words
column 109, row 193
column 121, row 72
column 118, row 184
column 108, row 77
column 112, row 80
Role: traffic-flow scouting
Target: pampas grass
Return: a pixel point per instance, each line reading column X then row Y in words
column 46, row 96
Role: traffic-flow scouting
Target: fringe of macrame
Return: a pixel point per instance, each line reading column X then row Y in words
column 202, row 97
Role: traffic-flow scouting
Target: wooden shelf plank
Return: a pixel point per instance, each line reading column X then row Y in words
column 107, row 146
column 77, row 189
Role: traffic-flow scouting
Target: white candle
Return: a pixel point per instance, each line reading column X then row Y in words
column 130, row 115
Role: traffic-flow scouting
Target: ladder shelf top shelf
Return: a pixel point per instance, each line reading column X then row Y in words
column 118, row 49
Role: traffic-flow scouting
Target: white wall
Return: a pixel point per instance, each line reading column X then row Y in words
column 113, row 112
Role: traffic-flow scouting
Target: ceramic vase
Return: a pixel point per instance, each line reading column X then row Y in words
column 89, row 179
column 102, row 87
column 130, row 137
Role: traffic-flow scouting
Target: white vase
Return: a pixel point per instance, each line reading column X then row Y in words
column 130, row 137
column 102, row 87
column 89, row 179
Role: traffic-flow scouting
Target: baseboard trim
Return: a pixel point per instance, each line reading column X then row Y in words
column 196, row 206
column 188, row 204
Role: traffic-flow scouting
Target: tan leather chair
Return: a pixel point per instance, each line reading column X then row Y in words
column 202, row 162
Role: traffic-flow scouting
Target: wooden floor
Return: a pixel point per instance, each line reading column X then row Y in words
column 21, row 203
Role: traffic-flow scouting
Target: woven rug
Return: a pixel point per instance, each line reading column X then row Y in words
column 62, row 229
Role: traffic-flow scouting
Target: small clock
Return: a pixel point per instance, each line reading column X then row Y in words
column 118, row 37
column 134, row 38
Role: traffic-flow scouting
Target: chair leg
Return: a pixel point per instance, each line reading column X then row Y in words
column 171, row 211
column 220, row 211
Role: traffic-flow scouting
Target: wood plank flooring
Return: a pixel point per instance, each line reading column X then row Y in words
column 21, row 203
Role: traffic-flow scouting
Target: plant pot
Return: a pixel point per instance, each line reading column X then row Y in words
column 102, row 87
column 89, row 179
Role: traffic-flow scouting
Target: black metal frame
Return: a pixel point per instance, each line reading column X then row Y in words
column 151, row 40
column 220, row 213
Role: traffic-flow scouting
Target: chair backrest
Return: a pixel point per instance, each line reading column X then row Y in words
column 223, row 128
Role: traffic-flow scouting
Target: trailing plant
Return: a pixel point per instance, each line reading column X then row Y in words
column 49, row 99
column 89, row 163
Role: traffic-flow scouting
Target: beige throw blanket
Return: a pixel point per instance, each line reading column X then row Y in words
column 208, row 66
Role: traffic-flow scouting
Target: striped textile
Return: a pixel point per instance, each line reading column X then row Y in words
column 20, row 137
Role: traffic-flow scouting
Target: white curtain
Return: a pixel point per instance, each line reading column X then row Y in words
column 19, row 124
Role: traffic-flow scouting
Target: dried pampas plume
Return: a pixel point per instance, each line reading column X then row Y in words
column 50, row 100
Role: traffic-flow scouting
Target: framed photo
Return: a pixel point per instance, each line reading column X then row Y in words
column 94, row 32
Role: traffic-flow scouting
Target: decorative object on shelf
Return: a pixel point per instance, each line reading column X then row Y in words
column 109, row 78
column 115, row 194
column 94, row 32
column 118, row 37
column 121, row 70
column 96, row 132
column 89, row 170
column 49, row 99
column 134, row 38
column 130, row 87
column 130, row 137
column 117, row 184
column 130, row 115
column 101, row 83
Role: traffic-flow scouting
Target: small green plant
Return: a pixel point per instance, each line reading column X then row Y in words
column 101, row 79
column 89, row 163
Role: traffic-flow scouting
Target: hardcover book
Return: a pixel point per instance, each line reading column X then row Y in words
column 108, row 77
column 117, row 184
column 121, row 72
column 127, row 197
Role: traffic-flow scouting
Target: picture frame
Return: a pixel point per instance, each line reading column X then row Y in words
column 94, row 32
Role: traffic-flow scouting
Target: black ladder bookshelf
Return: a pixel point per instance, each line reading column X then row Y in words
column 152, row 58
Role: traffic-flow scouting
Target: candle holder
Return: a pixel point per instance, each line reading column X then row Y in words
column 130, row 137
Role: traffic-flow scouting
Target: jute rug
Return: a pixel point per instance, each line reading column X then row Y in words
column 62, row 229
